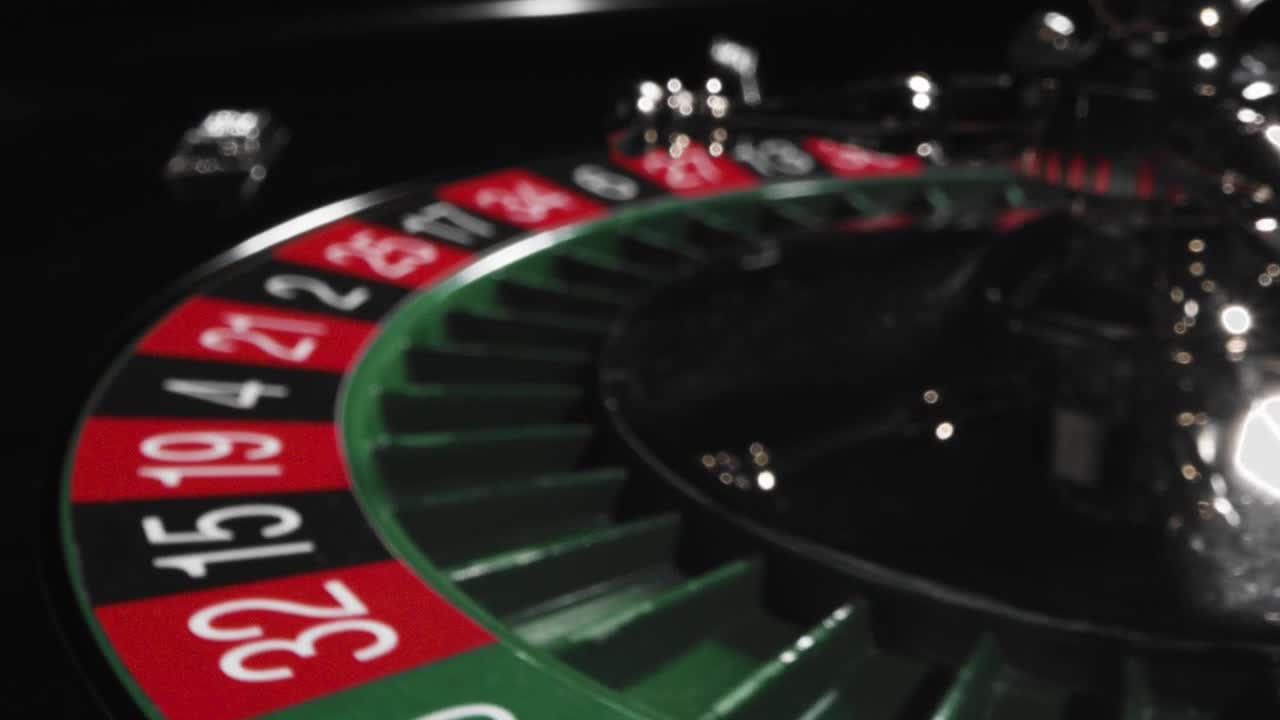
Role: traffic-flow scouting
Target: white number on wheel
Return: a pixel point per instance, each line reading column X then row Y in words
column 304, row 645
column 287, row 287
column 253, row 330
column 190, row 449
column 196, row 564
column 238, row 395
column 475, row 711
column 346, row 617
column 524, row 202
column 605, row 183
column 209, row 525
column 447, row 222
column 774, row 156
column 209, row 529
column 692, row 169
column 391, row 256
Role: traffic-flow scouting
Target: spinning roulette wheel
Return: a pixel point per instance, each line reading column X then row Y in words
column 933, row 395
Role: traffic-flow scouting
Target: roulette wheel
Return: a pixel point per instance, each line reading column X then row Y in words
column 896, row 392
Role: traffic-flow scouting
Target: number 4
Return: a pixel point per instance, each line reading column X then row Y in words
column 237, row 395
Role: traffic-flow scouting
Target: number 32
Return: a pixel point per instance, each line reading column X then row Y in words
column 350, row 607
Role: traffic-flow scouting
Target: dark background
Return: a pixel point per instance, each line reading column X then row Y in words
column 93, row 100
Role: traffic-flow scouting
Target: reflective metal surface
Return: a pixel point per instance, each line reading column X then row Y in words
column 222, row 162
column 1074, row 419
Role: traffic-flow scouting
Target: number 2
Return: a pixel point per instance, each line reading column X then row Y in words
column 287, row 287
